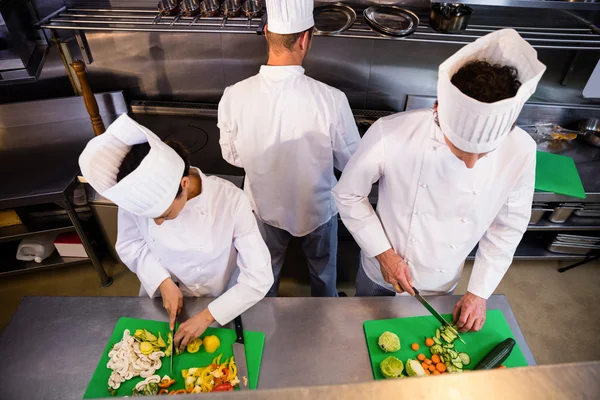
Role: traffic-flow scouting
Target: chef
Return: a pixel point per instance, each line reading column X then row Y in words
column 449, row 177
column 289, row 132
column 180, row 231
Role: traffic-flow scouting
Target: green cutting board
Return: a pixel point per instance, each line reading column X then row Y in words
column 254, row 342
column 558, row 174
column 416, row 329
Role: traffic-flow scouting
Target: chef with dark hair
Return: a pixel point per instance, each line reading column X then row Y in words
column 180, row 231
column 449, row 177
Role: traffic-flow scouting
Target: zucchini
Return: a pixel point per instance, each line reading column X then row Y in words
column 447, row 338
column 464, row 357
column 449, row 346
column 497, row 355
column 437, row 335
column 453, row 353
column 436, row 340
column 451, row 329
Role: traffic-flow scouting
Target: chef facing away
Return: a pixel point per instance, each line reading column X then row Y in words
column 449, row 178
column 180, row 231
column 289, row 132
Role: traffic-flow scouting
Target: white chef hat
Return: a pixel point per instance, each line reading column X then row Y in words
column 290, row 16
column 477, row 127
column 150, row 189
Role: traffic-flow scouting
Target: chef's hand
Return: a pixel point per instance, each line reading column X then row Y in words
column 172, row 299
column 193, row 328
column 395, row 271
column 469, row 313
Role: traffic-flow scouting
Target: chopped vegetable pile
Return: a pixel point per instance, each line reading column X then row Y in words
column 216, row 377
column 389, row 342
column 444, row 359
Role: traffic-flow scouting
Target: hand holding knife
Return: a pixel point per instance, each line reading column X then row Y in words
column 433, row 312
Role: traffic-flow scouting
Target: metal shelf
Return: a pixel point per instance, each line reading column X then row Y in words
column 546, row 225
column 17, row 267
column 138, row 20
column 18, row 232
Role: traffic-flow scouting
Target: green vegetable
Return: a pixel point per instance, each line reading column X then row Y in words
column 497, row 355
column 135, row 393
column 436, row 349
column 113, row 392
column 437, row 335
column 151, row 389
column 466, row 360
column 391, row 367
column 389, row 342
column 436, row 340
column 414, row 368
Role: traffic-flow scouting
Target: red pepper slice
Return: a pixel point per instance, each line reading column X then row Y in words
column 224, row 387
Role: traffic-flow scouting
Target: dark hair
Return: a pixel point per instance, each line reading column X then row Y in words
column 286, row 41
column 138, row 152
column 485, row 82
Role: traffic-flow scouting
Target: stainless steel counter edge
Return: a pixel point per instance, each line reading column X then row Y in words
column 52, row 345
column 563, row 381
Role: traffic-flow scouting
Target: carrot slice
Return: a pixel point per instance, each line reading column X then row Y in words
column 429, row 342
column 421, row 357
column 425, row 366
column 432, row 368
column 436, row 372
column 428, row 361
column 435, row 358
column 440, row 367
column 415, row 346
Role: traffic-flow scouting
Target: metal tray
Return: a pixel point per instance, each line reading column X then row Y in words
column 391, row 20
column 332, row 19
column 571, row 248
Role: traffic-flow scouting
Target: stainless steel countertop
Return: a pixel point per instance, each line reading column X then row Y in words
column 51, row 346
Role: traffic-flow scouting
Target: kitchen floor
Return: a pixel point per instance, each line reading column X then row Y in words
column 558, row 313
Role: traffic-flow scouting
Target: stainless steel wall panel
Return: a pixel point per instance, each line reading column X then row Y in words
column 242, row 56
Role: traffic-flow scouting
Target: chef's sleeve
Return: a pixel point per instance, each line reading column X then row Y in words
column 345, row 137
column 135, row 254
column 227, row 134
column 351, row 193
column 254, row 261
column 500, row 241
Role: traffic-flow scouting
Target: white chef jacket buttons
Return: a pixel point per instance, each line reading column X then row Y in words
column 464, row 220
column 418, row 213
column 452, row 246
column 441, row 270
column 475, row 192
column 424, row 186
column 411, row 239
column 151, row 240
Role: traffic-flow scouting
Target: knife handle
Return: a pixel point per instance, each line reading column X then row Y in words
column 239, row 329
column 415, row 289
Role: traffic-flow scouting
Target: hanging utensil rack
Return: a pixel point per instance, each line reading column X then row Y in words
column 139, row 20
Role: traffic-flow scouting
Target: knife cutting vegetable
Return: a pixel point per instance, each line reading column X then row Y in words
column 450, row 330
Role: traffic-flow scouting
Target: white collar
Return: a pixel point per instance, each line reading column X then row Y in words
column 279, row 72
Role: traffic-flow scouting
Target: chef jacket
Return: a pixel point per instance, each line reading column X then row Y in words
column 288, row 132
column 213, row 248
column 432, row 210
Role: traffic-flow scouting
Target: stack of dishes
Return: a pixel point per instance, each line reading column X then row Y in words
column 391, row 20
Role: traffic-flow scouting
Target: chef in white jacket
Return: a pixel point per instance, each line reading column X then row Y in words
column 177, row 226
column 289, row 132
column 449, row 177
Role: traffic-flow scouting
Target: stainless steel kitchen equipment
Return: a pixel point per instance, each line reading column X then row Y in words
column 563, row 211
column 239, row 353
column 537, row 213
column 166, row 8
column 253, row 8
column 231, row 8
column 589, row 210
column 210, row 8
column 391, row 20
column 449, row 17
column 591, row 131
column 191, row 8
column 332, row 19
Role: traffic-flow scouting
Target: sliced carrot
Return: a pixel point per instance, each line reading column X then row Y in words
column 436, row 372
column 440, row 367
column 425, row 366
column 432, row 368
column 415, row 346
column 428, row 361
column 435, row 358
column 429, row 342
column 427, row 372
column 502, row 366
column 421, row 357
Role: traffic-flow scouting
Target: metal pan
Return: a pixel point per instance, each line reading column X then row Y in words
column 166, row 7
column 591, row 129
column 191, row 8
column 449, row 17
column 332, row 19
column 252, row 8
column 391, row 20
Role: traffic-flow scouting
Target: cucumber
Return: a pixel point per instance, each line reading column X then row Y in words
column 457, row 364
column 464, row 357
column 497, row 355
column 453, row 353
column 451, row 329
column 448, row 346
column 437, row 335
column 436, row 340
column 446, row 338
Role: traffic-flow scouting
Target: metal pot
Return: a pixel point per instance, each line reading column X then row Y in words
column 591, row 131
column 166, row 7
column 191, row 8
column 232, row 8
column 449, row 17
column 252, row 8
column 210, row 8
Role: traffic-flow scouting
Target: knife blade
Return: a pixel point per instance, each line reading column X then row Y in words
column 436, row 314
column 172, row 348
column 239, row 354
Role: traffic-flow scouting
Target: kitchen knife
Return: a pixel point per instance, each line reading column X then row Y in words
column 172, row 348
column 239, row 353
column 436, row 314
